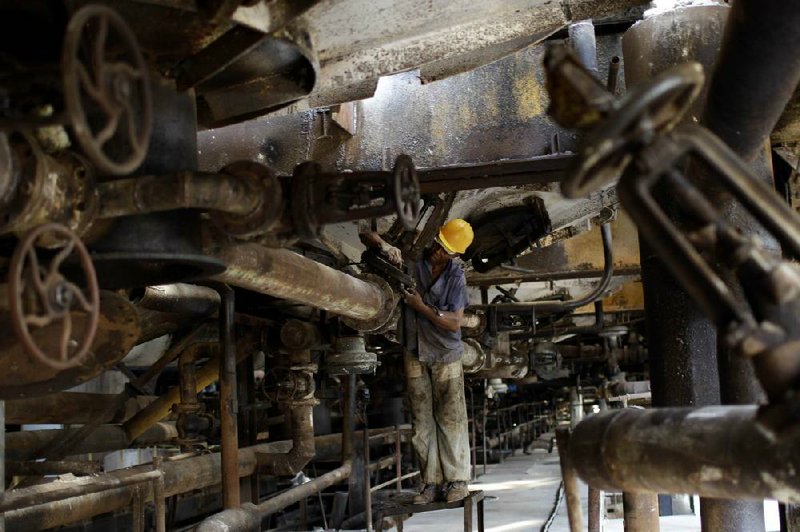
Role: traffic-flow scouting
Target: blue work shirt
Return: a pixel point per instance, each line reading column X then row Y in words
column 448, row 293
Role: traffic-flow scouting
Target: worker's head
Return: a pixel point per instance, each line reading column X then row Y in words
column 453, row 239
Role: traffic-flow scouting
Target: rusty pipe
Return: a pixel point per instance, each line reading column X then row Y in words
column 302, row 450
column 179, row 298
column 161, row 407
column 286, row 275
column 180, row 190
column 55, row 491
column 295, row 333
column 249, row 516
column 640, row 511
column 720, row 452
column 228, row 407
column 71, row 408
column 180, row 476
column 24, row 445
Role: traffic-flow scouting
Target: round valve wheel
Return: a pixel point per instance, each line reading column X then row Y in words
column 40, row 296
column 655, row 108
column 406, row 193
column 106, row 89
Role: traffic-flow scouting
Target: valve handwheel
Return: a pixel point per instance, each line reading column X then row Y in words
column 644, row 112
column 406, row 191
column 41, row 295
column 106, row 89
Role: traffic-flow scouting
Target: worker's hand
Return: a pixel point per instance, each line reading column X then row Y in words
column 392, row 253
column 413, row 299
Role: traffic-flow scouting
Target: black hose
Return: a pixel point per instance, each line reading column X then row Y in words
column 561, row 306
column 556, row 506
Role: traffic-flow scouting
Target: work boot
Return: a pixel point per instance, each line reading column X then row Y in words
column 427, row 495
column 456, row 491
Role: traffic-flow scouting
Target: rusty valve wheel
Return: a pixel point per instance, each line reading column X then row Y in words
column 405, row 191
column 106, row 89
column 41, row 295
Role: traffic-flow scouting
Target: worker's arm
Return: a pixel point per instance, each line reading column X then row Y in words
column 371, row 239
column 447, row 321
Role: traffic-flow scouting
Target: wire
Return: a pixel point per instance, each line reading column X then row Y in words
column 554, row 512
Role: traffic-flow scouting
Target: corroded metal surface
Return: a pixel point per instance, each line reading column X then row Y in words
column 716, row 451
column 117, row 332
column 285, row 274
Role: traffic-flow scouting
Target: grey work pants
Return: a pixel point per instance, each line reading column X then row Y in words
column 439, row 414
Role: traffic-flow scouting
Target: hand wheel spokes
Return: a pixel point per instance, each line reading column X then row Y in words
column 43, row 296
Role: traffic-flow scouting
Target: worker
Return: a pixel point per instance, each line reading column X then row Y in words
column 432, row 359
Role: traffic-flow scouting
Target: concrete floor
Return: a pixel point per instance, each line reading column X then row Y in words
column 520, row 494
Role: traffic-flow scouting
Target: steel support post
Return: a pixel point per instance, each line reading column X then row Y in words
column 682, row 341
column 641, row 511
column 595, row 509
column 227, row 400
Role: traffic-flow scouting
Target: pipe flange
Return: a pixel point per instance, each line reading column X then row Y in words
column 350, row 357
column 480, row 360
column 262, row 182
column 384, row 315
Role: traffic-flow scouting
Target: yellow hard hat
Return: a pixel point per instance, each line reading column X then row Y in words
column 456, row 235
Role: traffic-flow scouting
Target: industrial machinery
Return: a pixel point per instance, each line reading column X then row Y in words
column 188, row 311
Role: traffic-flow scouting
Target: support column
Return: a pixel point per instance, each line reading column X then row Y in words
column 686, row 369
column 227, row 401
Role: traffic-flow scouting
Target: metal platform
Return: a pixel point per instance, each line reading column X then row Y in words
column 401, row 504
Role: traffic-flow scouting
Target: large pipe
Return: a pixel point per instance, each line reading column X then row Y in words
column 284, row 274
column 757, row 73
column 180, row 190
column 249, row 516
column 640, row 511
column 71, row 408
column 180, row 476
column 682, row 342
column 717, row 451
column 179, row 298
column 25, row 445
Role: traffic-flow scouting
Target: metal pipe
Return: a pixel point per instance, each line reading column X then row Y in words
column 158, row 495
column 249, row 516
column 56, row 491
column 570, row 479
column 640, row 511
column 297, row 336
column 49, row 467
column 71, row 408
column 613, row 74
column 302, row 450
column 747, row 94
column 180, row 190
column 564, row 306
column 178, row 298
column 717, row 451
column 25, row 445
column 595, row 509
column 228, row 407
column 583, row 41
column 161, row 407
column 180, row 476
column 284, row 274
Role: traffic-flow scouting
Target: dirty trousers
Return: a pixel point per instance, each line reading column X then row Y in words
column 439, row 414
